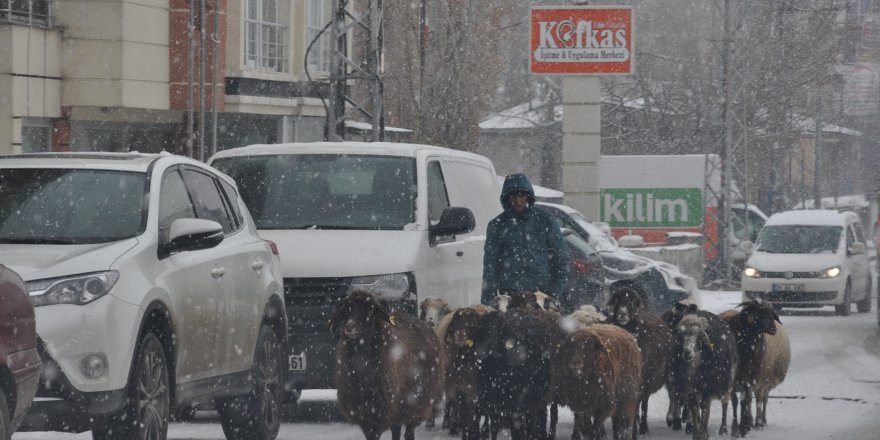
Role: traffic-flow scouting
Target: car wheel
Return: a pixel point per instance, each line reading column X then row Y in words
column 864, row 306
column 184, row 413
column 257, row 415
column 5, row 419
column 146, row 414
column 844, row 309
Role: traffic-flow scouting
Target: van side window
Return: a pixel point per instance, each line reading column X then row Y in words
column 859, row 235
column 850, row 239
column 438, row 199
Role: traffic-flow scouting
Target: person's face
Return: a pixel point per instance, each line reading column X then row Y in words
column 519, row 202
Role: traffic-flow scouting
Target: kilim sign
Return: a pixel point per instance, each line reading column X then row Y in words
column 582, row 40
column 651, row 207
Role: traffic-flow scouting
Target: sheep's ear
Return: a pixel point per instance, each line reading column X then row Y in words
column 776, row 317
column 338, row 314
column 383, row 311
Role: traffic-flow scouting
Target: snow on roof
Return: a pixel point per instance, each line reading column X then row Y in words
column 809, row 125
column 818, row 217
column 368, row 127
column 846, row 201
column 527, row 115
column 534, row 114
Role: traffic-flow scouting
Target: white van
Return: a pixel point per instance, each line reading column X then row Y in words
column 810, row 258
column 403, row 221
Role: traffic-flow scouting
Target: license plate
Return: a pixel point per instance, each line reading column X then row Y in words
column 297, row 362
column 788, row 287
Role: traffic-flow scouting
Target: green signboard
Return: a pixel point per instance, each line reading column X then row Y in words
column 651, row 207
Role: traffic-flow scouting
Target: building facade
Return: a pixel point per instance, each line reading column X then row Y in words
column 184, row 76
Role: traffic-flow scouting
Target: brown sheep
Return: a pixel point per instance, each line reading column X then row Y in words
column 777, row 358
column 598, row 377
column 463, row 370
column 652, row 334
column 749, row 327
column 389, row 367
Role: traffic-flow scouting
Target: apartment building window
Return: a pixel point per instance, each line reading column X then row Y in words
column 266, row 36
column 27, row 12
column 318, row 17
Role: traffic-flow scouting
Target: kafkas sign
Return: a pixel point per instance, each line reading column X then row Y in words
column 581, row 40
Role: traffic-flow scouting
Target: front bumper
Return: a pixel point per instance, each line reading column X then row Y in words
column 106, row 328
column 795, row 292
column 59, row 406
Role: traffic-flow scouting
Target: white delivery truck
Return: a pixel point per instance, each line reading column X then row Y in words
column 399, row 220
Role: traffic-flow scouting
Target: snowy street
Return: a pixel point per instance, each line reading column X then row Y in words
column 832, row 390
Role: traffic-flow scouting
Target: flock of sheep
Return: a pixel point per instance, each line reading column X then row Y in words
column 501, row 367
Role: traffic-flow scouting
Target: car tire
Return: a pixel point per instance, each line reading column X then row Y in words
column 844, row 309
column 5, row 418
column 257, row 415
column 148, row 408
column 864, row 306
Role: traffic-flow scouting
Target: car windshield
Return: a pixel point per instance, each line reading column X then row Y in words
column 70, row 206
column 799, row 239
column 325, row 191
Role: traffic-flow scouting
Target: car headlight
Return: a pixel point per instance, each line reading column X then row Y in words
column 75, row 289
column 830, row 272
column 751, row 272
column 392, row 287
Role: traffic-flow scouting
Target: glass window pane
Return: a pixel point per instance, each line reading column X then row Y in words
column 269, row 11
column 252, row 9
column 206, row 198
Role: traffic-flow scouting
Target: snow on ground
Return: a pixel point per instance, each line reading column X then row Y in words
column 832, row 391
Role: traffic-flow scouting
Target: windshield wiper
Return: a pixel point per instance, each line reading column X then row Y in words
column 36, row 240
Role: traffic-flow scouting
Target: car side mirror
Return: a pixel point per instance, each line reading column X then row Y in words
column 857, row 248
column 453, row 221
column 192, row 234
column 746, row 246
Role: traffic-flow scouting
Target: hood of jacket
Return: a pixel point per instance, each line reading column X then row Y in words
column 514, row 183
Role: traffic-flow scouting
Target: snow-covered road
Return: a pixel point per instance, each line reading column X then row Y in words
column 832, row 390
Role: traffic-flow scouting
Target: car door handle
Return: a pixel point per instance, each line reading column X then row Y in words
column 218, row 272
column 459, row 253
column 257, row 265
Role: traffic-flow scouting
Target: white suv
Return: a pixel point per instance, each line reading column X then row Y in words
column 152, row 292
column 810, row 258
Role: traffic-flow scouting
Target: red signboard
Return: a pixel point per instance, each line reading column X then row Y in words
column 582, row 40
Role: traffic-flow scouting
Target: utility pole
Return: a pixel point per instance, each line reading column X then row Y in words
column 347, row 72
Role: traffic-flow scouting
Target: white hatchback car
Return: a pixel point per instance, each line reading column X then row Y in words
column 809, row 258
column 152, row 292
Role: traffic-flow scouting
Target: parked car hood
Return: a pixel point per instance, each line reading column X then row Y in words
column 335, row 253
column 34, row 262
column 767, row 262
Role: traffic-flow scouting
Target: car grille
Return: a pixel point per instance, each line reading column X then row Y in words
column 311, row 301
column 793, row 275
column 792, row 297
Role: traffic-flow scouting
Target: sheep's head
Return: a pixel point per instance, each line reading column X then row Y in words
column 501, row 303
column 582, row 350
column 432, row 310
column 357, row 315
column 625, row 302
column 691, row 331
column 760, row 315
column 548, row 302
column 523, row 300
column 463, row 329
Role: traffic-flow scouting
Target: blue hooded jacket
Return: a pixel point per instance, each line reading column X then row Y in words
column 523, row 252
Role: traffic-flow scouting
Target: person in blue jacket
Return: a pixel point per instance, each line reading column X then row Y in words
column 524, row 249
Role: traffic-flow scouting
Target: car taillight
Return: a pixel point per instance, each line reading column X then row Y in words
column 580, row 266
column 273, row 246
